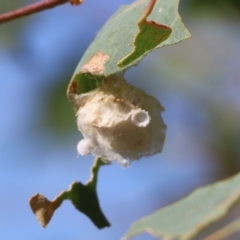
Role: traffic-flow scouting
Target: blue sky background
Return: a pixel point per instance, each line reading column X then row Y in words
column 197, row 81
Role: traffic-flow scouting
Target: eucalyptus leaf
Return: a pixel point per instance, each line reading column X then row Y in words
column 130, row 34
column 117, row 36
column 186, row 218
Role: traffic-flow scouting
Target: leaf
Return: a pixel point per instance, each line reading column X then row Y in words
column 187, row 217
column 83, row 197
column 125, row 39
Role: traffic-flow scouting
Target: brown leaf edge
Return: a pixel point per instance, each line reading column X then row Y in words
column 83, row 197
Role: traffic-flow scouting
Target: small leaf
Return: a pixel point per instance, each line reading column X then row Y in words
column 83, row 197
column 188, row 217
column 86, row 201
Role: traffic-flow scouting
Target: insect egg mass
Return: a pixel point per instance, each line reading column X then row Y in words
column 119, row 122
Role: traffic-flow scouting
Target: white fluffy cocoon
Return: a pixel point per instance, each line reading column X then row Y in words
column 119, row 122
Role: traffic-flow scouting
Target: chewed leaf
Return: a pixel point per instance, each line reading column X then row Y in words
column 149, row 36
column 86, row 201
column 83, row 197
column 124, row 40
column 187, row 218
column 116, row 39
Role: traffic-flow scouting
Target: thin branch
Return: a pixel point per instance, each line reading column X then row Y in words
column 34, row 8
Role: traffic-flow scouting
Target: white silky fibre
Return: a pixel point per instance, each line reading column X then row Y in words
column 85, row 146
column 119, row 122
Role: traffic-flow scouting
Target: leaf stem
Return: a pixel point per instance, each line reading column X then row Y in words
column 92, row 183
column 147, row 11
column 34, row 8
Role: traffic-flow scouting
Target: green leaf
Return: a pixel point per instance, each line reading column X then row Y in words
column 132, row 32
column 83, row 197
column 189, row 216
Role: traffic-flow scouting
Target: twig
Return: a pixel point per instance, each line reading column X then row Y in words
column 34, row 8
